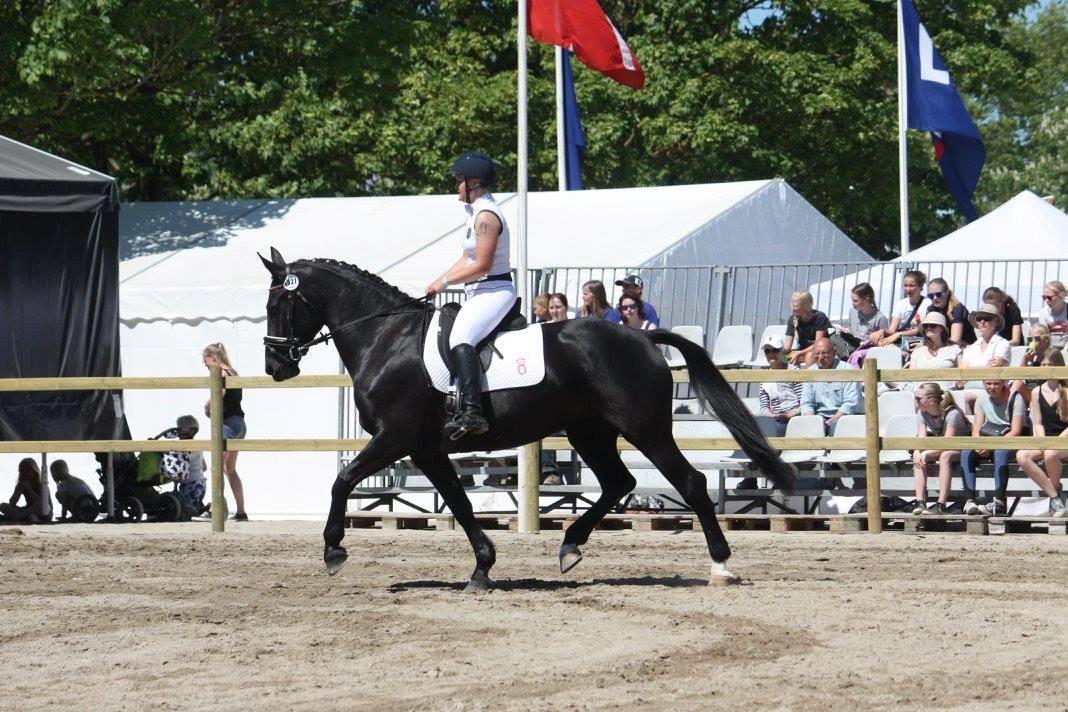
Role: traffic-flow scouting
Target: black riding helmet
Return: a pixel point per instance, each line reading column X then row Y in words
column 472, row 164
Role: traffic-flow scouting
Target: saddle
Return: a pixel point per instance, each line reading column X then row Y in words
column 512, row 321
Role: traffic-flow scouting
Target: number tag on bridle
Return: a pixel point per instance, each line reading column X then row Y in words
column 291, row 282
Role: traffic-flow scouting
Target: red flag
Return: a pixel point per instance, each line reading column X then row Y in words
column 582, row 27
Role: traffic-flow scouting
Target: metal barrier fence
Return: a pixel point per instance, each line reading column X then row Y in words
column 870, row 377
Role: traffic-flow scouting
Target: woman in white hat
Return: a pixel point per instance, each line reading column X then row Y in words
column 780, row 401
column 990, row 349
column 934, row 351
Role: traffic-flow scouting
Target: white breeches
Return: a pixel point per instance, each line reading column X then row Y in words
column 480, row 313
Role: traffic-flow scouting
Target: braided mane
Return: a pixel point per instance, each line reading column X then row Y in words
column 368, row 278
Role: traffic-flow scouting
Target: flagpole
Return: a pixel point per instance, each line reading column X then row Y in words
column 561, row 146
column 528, row 455
column 902, row 128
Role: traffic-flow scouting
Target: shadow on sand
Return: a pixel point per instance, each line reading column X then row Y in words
column 529, row 584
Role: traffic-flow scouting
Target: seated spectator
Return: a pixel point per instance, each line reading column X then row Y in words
column 1038, row 344
column 934, row 351
column 633, row 313
column 541, row 308
column 804, row 328
column 781, row 401
column 907, row 312
column 68, row 487
column 194, row 486
column 945, row 302
column 999, row 412
column 1049, row 416
column 1054, row 313
column 28, row 488
column 937, row 416
column 864, row 320
column 1011, row 328
column 558, row 307
column 830, row 400
column 633, row 287
column 990, row 349
column 595, row 302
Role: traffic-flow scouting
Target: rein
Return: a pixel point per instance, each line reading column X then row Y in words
column 297, row 349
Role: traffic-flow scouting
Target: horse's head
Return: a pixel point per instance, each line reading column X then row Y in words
column 292, row 321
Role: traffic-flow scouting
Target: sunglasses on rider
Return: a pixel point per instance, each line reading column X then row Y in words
column 935, row 295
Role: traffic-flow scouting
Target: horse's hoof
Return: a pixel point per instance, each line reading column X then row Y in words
column 335, row 558
column 721, row 576
column 477, row 583
column 569, row 557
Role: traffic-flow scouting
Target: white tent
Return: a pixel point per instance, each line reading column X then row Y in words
column 190, row 276
column 1019, row 246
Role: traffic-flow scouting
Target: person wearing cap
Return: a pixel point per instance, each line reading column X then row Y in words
column 194, row 487
column 484, row 269
column 1011, row 317
column 780, row 401
column 831, row 400
column 68, row 487
column 805, row 327
column 934, row 351
column 632, row 287
column 990, row 349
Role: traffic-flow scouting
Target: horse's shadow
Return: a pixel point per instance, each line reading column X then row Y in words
column 530, row 584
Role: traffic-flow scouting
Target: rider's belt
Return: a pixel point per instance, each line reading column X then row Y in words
column 502, row 277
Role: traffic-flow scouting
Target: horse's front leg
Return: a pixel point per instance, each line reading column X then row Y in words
column 377, row 455
column 440, row 471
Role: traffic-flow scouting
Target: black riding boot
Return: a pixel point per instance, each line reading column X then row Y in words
column 469, row 419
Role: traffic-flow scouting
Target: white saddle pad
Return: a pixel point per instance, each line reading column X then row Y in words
column 521, row 363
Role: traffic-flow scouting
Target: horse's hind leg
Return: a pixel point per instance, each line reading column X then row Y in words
column 441, row 473
column 595, row 442
column 664, row 453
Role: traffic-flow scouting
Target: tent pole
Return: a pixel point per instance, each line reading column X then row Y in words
column 902, row 128
column 561, row 145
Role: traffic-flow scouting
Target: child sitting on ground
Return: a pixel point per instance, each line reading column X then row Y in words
column 68, row 487
column 192, row 488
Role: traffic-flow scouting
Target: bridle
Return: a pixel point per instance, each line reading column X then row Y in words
column 291, row 347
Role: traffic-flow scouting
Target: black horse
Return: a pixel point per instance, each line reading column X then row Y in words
column 601, row 381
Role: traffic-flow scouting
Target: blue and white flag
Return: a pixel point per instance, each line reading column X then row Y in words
column 934, row 105
column 574, row 141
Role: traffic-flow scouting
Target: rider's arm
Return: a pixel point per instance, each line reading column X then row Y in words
column 487, row 229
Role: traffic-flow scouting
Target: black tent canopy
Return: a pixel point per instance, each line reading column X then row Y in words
column 59, row 294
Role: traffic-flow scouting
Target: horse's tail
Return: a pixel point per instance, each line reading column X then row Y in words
column 716, row 394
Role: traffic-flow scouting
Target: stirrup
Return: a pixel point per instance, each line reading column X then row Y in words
column 462, row 425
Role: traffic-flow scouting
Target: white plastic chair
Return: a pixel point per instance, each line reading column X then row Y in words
column 849, row 426
column 885, row 356
column 752, row 405
column 803, row 426
column 758, row 360
column 733, row 346
column 695, row 334
column 899, row 426
column 1016, row 355
column 961, row 401
column 894, row 403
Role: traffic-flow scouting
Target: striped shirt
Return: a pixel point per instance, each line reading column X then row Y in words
column 779, row 398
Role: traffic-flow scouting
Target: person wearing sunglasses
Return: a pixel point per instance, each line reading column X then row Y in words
column 934, row 351
column 1011, row 327
column 990, row 349
column 937, row 416
column 632, row 314
column 780, row 401
column 945, row 302
column 1054, row 313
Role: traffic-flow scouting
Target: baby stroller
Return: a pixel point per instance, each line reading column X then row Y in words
column 136, row 479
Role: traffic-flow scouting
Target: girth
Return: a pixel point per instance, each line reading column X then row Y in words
column 512, row 321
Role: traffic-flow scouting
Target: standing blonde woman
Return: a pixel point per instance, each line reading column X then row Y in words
column 233, row 423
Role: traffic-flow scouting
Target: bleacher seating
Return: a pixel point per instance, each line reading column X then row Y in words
column 758, row 360
column 695, row 334
column 849, row 426
column 803, row 426
column 887, row 357
column 733, row 346
column 894, row 403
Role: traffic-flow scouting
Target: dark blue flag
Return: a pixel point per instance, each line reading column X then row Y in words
column 574, row 141
column 934, row 105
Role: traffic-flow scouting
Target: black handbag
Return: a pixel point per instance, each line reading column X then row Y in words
column 993, row 430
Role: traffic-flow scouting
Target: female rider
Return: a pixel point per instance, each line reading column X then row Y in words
column 485, row 272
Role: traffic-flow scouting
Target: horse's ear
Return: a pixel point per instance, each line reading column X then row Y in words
column 276, row 257
column 274, row 269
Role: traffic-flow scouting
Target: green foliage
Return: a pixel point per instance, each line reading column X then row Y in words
column 198, row 99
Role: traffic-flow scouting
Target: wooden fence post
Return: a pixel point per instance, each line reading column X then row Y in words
column 218, row 501
column 872, row 445
column 528, row 464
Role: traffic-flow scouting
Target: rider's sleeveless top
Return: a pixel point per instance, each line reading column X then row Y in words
column 501, row 263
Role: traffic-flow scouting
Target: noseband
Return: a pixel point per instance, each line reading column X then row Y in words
column 291, row 348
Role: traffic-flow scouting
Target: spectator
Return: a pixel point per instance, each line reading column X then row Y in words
column 780, row 401
column 864, row 320
column 990, row 349
column 541, row 308
column 945, row 302
column 1049, row 415
column 634, row 314
column 558, row 307
column 194, row 487
column 1038, row 343
column 907, row 313
column 998, row 412
column 933, row 351
column 233, row 424
column 633, row 287
column 28, row 488
column 830, row 400
column 1011, row 328
column 805, row 327
column 1054, row 313
column 595, row 302
column 68, row 487
column 937, row 416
